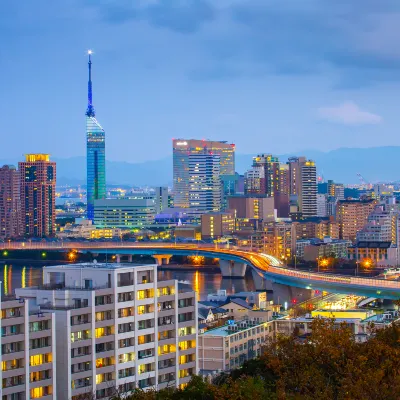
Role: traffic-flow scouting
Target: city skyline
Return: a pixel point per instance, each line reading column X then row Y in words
column 219, row 95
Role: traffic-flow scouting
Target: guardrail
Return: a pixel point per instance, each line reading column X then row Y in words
column 346, row 280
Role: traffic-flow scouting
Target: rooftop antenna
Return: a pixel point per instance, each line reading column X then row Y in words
column 90, row 109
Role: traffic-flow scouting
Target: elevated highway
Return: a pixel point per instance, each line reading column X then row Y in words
column 233, row 263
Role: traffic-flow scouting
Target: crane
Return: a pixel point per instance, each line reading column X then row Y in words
column 363, row 181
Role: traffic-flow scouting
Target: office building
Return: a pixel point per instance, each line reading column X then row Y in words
column 216, row 225
column 28, row 353
column 183, row 149
column 205, row 190
column 321, row 205
column 95, row 153
column 335, row 190
column 117, row 326
column 252, row 207
column 38, row 193
column 270, row 165
column 254, row 181
column 160, row 199
column 125, row 213
column 10, row 203
column 352, row 215
column 229, row 188
column 303, row 186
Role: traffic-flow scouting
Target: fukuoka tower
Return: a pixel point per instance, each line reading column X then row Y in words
column 95, row 153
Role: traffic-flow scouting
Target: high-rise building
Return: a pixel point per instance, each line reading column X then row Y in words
column 205, row 189
column 271, row 172
column 321, row 205
column 352, row 215
column 254, row 181
column 303, row 186
column 95, row 153
column 182, row 149
column 10, row 203
column 38, row 194
column 160, row 199
column 116, row 327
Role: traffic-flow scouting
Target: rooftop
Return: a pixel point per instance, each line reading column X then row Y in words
column 224, row 330
column 96, row 265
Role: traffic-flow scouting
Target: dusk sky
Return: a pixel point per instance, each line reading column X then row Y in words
column 269, row 75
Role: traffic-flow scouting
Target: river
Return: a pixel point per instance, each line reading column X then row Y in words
column 204, row 282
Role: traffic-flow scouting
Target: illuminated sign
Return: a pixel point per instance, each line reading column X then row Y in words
column 181, row 143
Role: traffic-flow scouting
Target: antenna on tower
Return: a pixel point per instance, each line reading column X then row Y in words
column 90, row 109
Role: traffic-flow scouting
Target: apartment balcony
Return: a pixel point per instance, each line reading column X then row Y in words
column 8, row 356
column 187, row 309
column 44, row 382
column 81, row 327
column 12, row 390
column 13, row 372
column 105, row 369
column 81, row 343
column 19, row 337
column 104, row 323
column 166, row 312
column 190, row 364
column 40, row 350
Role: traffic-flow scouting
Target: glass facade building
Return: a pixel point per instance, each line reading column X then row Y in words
column 204, row 183
column 95, row 154
column 183, row 149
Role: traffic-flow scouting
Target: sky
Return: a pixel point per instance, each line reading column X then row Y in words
column 270, row 76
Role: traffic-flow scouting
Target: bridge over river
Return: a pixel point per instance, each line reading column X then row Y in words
column 233, row 263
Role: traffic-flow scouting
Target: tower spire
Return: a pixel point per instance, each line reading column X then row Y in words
column 90, row 109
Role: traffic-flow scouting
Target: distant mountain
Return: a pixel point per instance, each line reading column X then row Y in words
column 375, row 164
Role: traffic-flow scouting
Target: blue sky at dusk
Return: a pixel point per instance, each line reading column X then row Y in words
column 269, row 75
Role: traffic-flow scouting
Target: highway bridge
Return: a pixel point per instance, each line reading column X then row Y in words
column 233, row 263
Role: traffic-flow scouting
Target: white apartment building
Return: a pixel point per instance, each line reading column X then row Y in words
column 117, row 326
column 27, row 353
column 229, row 346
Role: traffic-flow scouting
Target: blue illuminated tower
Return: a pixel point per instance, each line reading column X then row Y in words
column 95, row 153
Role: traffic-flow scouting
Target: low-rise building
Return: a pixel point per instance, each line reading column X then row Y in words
column 125, row 213
column 229, row 346
column 85, row 229
column 374, row 253
column 326, row 248
column 117, row 326
column 28, row 356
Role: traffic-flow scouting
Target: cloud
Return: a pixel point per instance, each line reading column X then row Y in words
column 183, row 16
column 349, row 113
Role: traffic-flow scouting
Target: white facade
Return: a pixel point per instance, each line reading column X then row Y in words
column 205, row 191
column 27, row 353
column 321, row 205
column 117, row 326
column 161, row 199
